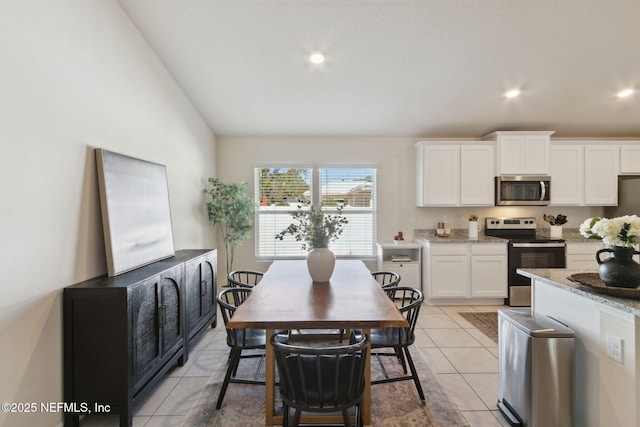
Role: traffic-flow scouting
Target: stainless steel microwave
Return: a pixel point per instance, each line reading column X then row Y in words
column 523, row 190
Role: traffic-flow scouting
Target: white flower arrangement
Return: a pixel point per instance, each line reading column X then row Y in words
column 623, row 231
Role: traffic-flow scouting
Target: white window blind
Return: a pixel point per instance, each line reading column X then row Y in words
column 353, row 190
column 280, row 191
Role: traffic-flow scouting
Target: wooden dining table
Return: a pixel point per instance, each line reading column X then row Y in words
column 287, row 298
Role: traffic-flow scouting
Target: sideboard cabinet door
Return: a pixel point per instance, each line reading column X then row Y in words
column 145, row 334
column 201, row 290
column 171, row 313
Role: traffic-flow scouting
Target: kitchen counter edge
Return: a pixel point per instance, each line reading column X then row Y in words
column 558, row 277
column 461, row 237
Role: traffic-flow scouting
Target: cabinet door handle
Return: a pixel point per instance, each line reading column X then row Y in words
column 162, row 314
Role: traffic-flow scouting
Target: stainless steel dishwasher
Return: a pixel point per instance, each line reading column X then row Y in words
column 536, row 372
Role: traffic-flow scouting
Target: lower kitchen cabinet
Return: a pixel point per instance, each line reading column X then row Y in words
column 489, row 270
column 449, row 271
column 582, row 256
column 474, row 272
column 122, row 334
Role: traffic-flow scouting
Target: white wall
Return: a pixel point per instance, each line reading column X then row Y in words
column 76, row 75
column 395, row 160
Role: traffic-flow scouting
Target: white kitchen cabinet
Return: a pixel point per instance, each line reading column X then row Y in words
column 465, row 273
column 455, row 174
column 630, row 158
column 601, row 166
column 391, row 257
column 438, row 170
column 584, row 174
column 477, row 172
column 567, row 175
column 582, row 255
column 489, row 270
column 522, row 153
column 449, row 272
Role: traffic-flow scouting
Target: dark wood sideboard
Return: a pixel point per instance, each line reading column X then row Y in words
column 122, row 334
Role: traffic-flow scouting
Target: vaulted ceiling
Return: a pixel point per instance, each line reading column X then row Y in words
column 416, row 68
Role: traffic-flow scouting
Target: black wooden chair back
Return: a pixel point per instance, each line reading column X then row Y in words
column 324, row 378
column 387, row 279
column 244, row 278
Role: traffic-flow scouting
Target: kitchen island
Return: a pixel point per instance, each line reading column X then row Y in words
column 607, row 328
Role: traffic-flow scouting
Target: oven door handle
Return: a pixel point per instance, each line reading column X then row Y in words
column 543, row 191
column 538, row 245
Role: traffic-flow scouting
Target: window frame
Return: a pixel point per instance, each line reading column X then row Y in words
column 316, row 195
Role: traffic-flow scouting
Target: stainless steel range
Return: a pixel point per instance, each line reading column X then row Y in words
column 526, row 250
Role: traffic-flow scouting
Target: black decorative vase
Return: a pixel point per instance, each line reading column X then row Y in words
column 620, row 270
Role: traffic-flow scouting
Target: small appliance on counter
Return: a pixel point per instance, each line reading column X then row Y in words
column 526, row 250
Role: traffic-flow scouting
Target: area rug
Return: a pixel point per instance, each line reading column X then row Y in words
column 487, row 323
column 392, row 405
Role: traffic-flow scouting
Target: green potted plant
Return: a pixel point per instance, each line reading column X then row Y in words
column 233, row 211
column 316, row 230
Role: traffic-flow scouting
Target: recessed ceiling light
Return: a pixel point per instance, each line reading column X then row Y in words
column 317, row 58
column 625, row 93
column 512, row 93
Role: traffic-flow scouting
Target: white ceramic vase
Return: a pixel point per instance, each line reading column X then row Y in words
column 321, row 262
column 473, row 230
column 555, row 232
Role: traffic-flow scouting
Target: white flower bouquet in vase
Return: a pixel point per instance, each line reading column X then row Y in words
column 621, row 234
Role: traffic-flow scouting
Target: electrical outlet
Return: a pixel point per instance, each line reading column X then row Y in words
column 614, row 348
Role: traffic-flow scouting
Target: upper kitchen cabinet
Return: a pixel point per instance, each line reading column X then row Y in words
column 584, row 174
column 455, row 174
column 630, row 158
column 522, row 152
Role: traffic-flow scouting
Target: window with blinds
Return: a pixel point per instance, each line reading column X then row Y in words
column 280, row 191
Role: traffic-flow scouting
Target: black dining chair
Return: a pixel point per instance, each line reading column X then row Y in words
column 321, row 378
column 387, row 279
column 409, row 300
column 238, row 340
column 244, row 278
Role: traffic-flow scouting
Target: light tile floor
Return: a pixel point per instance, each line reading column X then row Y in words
column 463, row 359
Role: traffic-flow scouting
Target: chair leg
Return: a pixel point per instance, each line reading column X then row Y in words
column 414, row 373
column 234, row 359
column 285, row 415
column 400, row 355
column 296, row 418
column 346, row 418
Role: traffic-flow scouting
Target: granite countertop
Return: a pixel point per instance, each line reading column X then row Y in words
column 558, row 277
column 568, row 234
column 461, row 235
column 458, row 235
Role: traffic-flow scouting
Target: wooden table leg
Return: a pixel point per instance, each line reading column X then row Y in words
column 270, row 381
column 366, row 401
